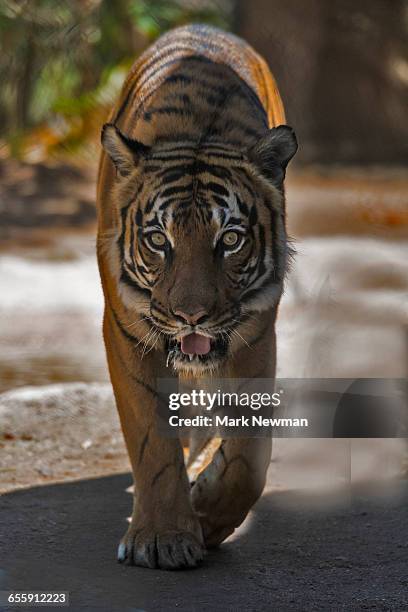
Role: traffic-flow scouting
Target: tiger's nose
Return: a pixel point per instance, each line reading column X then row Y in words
column 193, row 318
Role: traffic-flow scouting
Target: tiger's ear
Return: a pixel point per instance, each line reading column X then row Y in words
column 124, row 152
column 273, row 152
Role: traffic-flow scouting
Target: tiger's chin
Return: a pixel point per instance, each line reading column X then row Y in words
column 197, row 365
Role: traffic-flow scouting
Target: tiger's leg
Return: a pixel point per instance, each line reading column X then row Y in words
column 164, row 531
column 228, row 487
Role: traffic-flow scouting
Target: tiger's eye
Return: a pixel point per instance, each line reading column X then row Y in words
column 158, row 239
column 230, row 238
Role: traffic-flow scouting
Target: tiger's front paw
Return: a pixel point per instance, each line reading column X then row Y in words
column 167, row 549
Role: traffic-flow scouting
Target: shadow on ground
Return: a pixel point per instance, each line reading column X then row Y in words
column 295, row 553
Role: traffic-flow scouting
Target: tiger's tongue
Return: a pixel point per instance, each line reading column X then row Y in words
column 195, row 344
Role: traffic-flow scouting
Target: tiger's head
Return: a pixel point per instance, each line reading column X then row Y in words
column 200, row 243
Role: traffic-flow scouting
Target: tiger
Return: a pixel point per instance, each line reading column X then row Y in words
column 192, row 251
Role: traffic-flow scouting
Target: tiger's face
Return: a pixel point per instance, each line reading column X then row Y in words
column 201, row 235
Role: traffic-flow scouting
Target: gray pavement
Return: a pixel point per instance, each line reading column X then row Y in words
column 296, row 552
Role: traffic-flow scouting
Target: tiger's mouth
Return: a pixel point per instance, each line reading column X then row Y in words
column 196, row 350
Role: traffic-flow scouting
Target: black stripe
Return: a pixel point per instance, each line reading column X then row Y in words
column 172, row 110
column 261, row 259
column 143, row 445
column 121, row 239
column 243, row 208
column 218, row 189
column 230, row 157
column 182, row 201
column 160, row 473
column 176, row 189
column 171, row 177
column 178, row 78
column 121, row 327
column 269, row 280
column 253, row 216
column 180, row 169
column 222, row 203
column 150, row 203
column 128, row 280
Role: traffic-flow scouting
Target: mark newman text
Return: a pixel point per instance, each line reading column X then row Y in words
column 242, row 421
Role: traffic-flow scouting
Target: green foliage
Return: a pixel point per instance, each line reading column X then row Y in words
column 154, row 18
column 64, row 61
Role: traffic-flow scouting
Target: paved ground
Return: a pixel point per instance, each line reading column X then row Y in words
column 297, row 552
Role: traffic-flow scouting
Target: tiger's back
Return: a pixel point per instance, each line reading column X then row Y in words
column 196, row 83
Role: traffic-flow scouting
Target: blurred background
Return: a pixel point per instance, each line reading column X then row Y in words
column 342, row 69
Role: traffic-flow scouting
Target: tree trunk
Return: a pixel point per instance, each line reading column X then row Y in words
column 342, row 68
